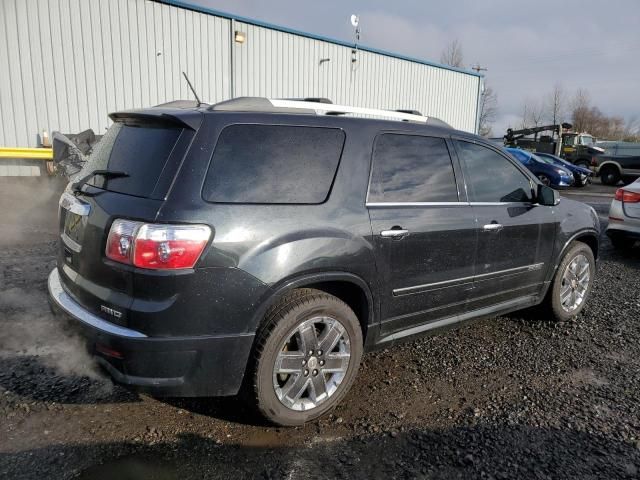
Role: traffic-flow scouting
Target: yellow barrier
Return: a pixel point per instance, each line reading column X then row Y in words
column 28, row 153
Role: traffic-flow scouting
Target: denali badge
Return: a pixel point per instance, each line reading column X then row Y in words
column 111, row 311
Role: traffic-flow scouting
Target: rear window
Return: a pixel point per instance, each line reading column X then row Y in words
column 141, row 151
column 273, row 164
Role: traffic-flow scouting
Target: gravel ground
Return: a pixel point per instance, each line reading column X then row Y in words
column 510, row 397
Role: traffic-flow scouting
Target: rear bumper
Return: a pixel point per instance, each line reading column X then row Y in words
column 622, row 231
column 162, row 366
column 620, row 223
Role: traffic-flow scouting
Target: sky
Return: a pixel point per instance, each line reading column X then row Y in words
column 527, row 47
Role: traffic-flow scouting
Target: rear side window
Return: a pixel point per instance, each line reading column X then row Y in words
column 273, row 164
column 141, row 151
column 411, row 168
column 491, row 177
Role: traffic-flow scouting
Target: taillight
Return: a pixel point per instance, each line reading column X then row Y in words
column 156, row 246
column 121, row 239
column 594, row 161
column 626, row 196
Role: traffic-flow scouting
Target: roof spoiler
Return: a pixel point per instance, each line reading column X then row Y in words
column 181, row 118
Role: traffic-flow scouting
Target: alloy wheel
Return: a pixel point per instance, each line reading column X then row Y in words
column 312, row 363
column 575, row 283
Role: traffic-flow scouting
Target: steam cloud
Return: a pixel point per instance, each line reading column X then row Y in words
column 28, row 236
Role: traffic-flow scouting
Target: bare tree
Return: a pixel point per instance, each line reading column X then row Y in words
column 532, row 114
column 555, row 105
column 452, row 55
column 632, row 130
column 581, row 113
column 488, row 110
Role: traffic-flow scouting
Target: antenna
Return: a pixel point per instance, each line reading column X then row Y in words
column 193, row 90
column 355, row 21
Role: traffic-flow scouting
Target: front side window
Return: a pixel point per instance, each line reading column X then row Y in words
column 411, row 168
column 273, row 164
column 492, row 177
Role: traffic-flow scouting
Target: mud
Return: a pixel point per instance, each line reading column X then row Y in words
column 511, row 397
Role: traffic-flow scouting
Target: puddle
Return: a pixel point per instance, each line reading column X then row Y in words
column 130, row 468
column 262, row 438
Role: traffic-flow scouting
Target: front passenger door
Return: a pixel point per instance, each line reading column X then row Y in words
column 515, row 235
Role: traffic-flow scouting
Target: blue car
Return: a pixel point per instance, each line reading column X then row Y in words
column 551, row 175
column 582, row 176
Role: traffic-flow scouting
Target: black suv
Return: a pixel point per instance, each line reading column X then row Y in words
column 260, row 247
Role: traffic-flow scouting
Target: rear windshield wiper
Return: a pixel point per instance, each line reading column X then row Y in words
column 76, row 186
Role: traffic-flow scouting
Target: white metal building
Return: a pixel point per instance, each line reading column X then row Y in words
column 68, row 63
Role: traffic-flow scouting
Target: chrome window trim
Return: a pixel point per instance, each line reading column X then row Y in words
column 443, row 204
column 463, row 280
column 64, row 301
column 416, row 204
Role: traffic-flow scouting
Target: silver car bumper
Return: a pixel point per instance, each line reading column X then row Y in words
column 620, row 222
column 63, row 301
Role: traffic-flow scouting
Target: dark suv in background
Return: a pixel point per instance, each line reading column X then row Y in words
column 261, row 246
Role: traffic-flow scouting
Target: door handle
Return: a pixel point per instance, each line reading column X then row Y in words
column 492, row 227
column 394, row 233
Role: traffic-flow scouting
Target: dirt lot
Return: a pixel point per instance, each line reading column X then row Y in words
column 511, row 397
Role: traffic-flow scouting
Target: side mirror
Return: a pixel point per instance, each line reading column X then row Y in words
column 547, row 196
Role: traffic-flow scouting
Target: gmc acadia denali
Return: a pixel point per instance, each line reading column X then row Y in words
column 259, row 246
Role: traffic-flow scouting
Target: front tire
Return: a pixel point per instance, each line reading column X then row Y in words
column 609, row 175
column 306, row 357
column 571, row 283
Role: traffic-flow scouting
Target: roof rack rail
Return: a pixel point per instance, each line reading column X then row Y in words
column 333, row 109
column 275, row 105
column 412, row 112
column 312, row 99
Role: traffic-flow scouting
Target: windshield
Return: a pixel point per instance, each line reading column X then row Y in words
column 543, row 159
column 586, row 140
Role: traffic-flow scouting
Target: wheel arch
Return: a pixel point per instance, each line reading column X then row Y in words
column 610, row 164
column 348, row 287
column 588, row 237
column 591, row 239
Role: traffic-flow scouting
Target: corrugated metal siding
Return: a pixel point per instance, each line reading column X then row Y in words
column 71, row 62
column 272, row 63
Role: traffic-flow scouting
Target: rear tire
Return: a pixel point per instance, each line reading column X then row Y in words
column 609, row 175
column 306, row 357
column 572, row 282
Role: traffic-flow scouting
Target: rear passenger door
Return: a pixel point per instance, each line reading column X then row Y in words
column 423, row 231
column 515, row 236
